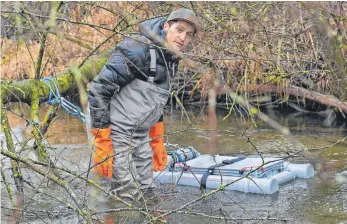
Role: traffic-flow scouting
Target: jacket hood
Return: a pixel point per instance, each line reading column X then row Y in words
column 153, row 29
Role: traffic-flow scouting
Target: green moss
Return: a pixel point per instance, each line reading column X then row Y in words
column 43, row 156
column 8, row 188
column 93, row 67
column 23, row 90
column 253, row 111
column 10, row 146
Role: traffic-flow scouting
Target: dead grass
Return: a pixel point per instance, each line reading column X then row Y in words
column 70, row 44
column 257, row 42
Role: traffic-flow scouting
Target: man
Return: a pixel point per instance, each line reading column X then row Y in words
column 127, row 98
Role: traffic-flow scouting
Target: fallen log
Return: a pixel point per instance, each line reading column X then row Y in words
column 21, row 91
column 295, row 91
column 66, row 82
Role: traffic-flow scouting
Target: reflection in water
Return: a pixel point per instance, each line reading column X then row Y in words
column 301, row 200
column 66, row 129
column 303, row 183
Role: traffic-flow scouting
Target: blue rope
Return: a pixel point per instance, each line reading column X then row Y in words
column 57, row 99
column 184, row 153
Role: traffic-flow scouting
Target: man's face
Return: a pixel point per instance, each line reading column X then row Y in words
column 178, row 35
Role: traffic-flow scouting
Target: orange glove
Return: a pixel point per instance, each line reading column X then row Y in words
column 103, row 149
column 159, row 151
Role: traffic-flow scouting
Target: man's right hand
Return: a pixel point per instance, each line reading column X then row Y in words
column 103, row 150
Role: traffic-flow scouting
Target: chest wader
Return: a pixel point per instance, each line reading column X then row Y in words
column 134, row 110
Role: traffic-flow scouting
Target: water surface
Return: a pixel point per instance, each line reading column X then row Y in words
column 321, row 199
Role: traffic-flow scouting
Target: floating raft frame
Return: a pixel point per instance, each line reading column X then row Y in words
column 262, row 179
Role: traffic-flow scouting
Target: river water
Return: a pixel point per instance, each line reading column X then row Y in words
column 321, row 199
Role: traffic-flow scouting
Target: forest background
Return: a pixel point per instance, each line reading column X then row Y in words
column 252, row 54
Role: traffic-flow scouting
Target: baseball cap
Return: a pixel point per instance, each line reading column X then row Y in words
column 185, row 15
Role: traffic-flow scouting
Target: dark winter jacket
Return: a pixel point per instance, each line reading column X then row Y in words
column 130, row 60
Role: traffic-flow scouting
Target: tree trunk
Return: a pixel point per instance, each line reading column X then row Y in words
column 300, row 92
column 21, row 91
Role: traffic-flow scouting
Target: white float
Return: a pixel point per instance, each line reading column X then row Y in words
column 261, row 178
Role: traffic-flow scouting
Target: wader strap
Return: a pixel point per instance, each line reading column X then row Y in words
column 153, row 64
column 210, row 170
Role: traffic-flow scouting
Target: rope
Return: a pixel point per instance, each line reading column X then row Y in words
column 182, row 154
column 59, row 100
column 49, row 82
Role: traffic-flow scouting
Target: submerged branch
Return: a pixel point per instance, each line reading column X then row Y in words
column 328, row 146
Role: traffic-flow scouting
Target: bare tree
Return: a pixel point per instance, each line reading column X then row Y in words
column 250, row 52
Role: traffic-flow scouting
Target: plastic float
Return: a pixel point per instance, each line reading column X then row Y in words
column 250, row 175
